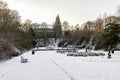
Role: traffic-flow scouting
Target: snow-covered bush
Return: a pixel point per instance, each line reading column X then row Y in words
column 84, row 54
column 118, row 47
column 7, row 50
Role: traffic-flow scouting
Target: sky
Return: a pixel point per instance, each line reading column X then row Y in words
column 72, row 11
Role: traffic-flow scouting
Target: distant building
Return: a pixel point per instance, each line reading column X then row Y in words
column 47, row 30
column 43, row 31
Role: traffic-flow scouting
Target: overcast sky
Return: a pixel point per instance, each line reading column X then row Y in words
column 73, row 11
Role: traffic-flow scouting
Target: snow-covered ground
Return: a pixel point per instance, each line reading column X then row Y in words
column 49, row 65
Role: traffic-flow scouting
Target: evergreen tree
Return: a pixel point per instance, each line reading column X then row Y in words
column 31, row 32
column 32, row 36
column 57, row 27
column 57, row 22
column 110, row 35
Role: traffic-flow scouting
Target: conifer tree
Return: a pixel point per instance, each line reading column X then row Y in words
column 57, row 27
column 32, row 36
column 110, row 35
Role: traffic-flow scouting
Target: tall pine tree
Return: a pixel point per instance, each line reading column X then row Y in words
column 58, row 28
column 111, row 35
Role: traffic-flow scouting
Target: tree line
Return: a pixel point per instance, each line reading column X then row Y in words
column 102, row 33
column 13, row 33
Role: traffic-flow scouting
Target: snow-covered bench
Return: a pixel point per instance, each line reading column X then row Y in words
column 23, row 60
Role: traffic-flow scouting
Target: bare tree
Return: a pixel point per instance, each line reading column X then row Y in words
column 3, row 5
column 26, row 25
column 65, row 26
column 9, row 19
column 118, row 11
column 98, row 25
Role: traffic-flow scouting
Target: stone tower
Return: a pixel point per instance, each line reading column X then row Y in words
column 57, row 28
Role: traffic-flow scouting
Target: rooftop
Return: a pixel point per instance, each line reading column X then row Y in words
column 49, row 26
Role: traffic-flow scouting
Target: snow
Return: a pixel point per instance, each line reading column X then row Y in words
column 49, row 65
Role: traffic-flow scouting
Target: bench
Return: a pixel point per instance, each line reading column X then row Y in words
column 23, row 60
